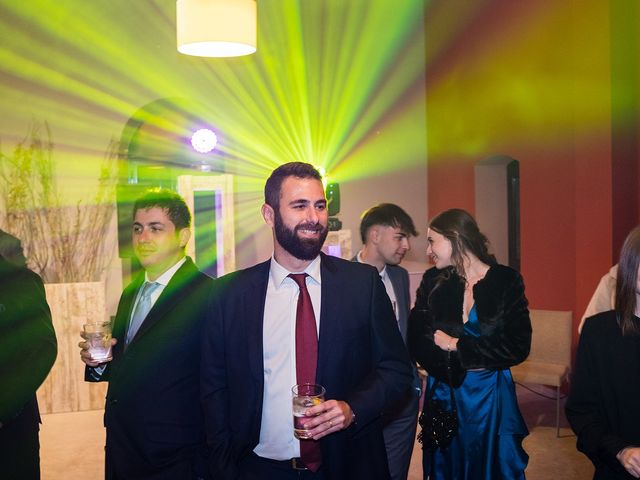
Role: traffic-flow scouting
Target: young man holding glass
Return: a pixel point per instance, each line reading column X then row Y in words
column 155, row 426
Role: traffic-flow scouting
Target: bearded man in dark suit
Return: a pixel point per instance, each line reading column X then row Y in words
column 155, row 426
column 251, row 358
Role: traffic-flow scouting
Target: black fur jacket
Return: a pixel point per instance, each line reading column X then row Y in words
column 505, row 328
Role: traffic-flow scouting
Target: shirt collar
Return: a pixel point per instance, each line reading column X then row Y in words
column 383, row 273
column 279, row 273
column 166, row 276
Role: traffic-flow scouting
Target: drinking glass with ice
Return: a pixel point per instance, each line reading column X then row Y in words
column 98, row 338
column 305, row 395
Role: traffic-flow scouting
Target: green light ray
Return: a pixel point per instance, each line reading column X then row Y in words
column 328, row 75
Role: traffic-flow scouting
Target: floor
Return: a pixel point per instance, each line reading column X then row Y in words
column 72, row 445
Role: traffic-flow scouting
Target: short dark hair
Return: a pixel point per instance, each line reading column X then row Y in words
column 169, row 201
column 461, row 229
column 292, row 169
column 389, row 215
column 626, row 283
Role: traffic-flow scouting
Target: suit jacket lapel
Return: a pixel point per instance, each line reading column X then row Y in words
column 169, row 297
column 400, row 289
column 123, row 316
column 329, row 315
column 253, row 299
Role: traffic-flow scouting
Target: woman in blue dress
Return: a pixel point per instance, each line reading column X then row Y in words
column 470, row 324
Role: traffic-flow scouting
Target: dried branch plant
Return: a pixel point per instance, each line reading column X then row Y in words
column 62, row 243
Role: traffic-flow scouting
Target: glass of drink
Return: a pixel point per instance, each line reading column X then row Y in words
column 98, row 336
column 305, row 395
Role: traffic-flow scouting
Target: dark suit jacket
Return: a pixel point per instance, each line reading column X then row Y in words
column 155, row 427
column 27, row 351
column 503, row 318
column 400, row 280
column 602, row 407
column 361, row 360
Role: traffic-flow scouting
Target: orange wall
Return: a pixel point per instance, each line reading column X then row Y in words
column 531, row 80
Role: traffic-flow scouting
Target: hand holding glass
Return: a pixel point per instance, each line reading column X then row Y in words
column 305, row 395
column 98, row 338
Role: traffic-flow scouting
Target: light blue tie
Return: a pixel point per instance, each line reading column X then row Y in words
column 142, row 309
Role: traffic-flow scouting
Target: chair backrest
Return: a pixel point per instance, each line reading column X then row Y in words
column 551, row 337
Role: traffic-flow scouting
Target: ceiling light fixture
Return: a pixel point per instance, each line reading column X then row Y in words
column 216, row 28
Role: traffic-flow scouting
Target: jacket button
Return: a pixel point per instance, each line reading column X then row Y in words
column 113, row 401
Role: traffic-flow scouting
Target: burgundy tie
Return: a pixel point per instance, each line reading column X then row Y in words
column 306, row 360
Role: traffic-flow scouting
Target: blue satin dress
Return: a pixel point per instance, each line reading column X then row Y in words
column 491, row 427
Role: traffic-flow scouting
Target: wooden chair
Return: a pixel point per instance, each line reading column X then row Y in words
column 549, row 362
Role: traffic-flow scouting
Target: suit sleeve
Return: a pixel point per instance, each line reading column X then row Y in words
column 392, row 374
column 28, row 346
column 96, row 374
column 584, row 408
column 103, row 373
column 510, row 342
column 420, row 337
column 215, row 393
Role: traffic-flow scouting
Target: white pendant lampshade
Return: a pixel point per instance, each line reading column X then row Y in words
column 216, row 28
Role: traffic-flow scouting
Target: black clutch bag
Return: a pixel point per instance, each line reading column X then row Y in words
column 438, row 425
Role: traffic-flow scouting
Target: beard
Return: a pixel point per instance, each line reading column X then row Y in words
column 300, row 248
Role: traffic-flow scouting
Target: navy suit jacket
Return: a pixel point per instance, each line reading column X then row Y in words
column 361, row 360
column 155, row 427
column 400, row 280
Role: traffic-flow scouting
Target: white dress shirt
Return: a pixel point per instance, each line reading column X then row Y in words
column 279, row 346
